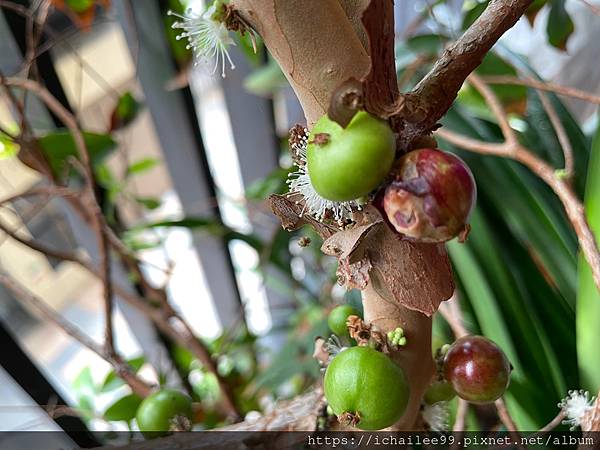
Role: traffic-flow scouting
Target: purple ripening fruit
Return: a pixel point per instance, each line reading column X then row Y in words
column 431, row 197
column 477, row 369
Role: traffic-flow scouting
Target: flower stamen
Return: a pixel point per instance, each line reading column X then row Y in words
column 207, row 36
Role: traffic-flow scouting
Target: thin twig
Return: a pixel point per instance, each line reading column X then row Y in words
column 513, row 149
column 543, row 86
column 561, row 134
column 180, row 332
column 125, row 372
column 595, row 9
column 552, row 424
column 451, row 312
column 461, row 415
column 96, row 213
column 508, row 421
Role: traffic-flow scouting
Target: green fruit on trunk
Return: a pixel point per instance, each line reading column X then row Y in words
column 439, row 391
column 365, row 388
column 347, row 163
column 337, row 319
column 164, row 411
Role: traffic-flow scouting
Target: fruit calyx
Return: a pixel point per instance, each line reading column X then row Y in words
column 349, row 418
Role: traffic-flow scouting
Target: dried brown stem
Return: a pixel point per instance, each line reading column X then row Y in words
column 513, row 149
column 125, row 372
column 543, row 86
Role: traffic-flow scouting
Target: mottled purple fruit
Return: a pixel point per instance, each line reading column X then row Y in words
column 431, row 196
column 477, row 369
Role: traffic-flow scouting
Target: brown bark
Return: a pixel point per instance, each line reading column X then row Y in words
column 313, row 42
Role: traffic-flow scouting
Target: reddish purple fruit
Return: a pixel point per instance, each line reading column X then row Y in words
column 477, row 368
column 432, row 196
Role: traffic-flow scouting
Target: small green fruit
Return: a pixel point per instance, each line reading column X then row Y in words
column 439, row 391
column 366, row 389
column 337, row 319
column 347, row 163
column 163, row 411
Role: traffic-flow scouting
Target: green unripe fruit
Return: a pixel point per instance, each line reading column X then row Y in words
column 439, row 391
column 366, row 389
column 337, row 319
column 347, row 163
column 80, row 6
column 164, row 411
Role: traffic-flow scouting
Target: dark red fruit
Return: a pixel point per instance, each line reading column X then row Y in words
column 431, row 197
column 477, row 368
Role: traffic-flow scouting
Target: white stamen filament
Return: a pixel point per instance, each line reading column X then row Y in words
column 208, row 38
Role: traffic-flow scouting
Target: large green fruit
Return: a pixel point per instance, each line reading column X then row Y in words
column 338, row 317
column 160, row 411
column 348, row 163
column 364, row 386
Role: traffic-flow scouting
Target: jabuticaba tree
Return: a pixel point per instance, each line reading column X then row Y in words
column 339, row 58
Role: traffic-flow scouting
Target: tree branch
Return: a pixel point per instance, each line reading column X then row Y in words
column 543, row 86
column 435, row 93
column 96, row 212
column 123, row 370
column 513, row 149
column 160, row 316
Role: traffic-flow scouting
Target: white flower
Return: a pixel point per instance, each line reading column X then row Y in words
column 301, row 186
column 333, row 346
column 207, row 36
column 436, row 416
column 575, row 406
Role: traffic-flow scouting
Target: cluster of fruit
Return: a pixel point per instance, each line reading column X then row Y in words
column 366, row 389
column 426, row 195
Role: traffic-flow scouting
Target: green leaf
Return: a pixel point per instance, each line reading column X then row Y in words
column 534, row 9
column 473, row 13
column 426, row 44
column 85, row 390
column 79, row 6
column 588, row 297
column 486, row 306
column 209, row 226
column 265, row 80
column 183, row 55
column 141, row 166
column 126, row 110
column 148, row 202
column 274, row 183
column 123, row 409
column 514, row 98
column 8, row 148
column 560, row 26
column 59, row 146
column 112, row 380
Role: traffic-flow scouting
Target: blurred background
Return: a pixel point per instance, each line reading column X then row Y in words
column 184, row 161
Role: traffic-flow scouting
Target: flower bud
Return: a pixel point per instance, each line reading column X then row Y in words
column 431, row 197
